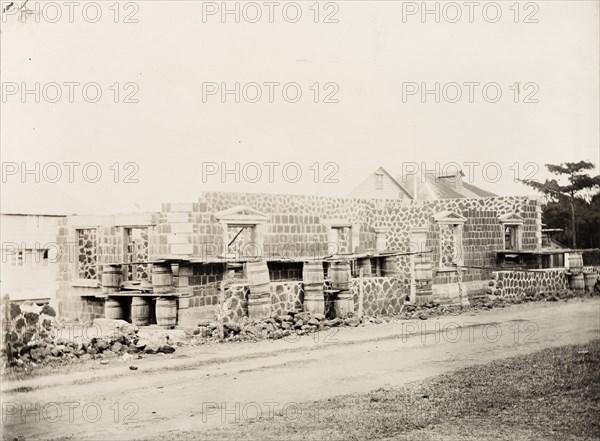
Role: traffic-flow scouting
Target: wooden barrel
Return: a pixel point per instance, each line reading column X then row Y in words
column 365, row 265
column 259, row 305
column 111, row 278
column 343, row 304
column 166, row 312
column 140, row 311
column 313, row 278
column 577, row 282
column 575, row 263
column 339, row 273
column 162, row 279
column 258, row 276
column 313, row 274
column 423, row 269
column 113, row 309
column 390, row 268
column 590, row 280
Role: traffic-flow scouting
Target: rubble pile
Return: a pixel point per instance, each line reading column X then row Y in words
column 32, row 335
column 280, row 326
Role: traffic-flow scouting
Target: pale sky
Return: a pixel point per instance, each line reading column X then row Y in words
column 368, row 54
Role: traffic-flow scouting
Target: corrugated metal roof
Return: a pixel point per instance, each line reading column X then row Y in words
column 429, row 187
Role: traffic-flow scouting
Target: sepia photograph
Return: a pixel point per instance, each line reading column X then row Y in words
column 300, row 220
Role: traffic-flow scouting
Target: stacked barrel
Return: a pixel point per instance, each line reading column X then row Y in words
column 579, row 279
column 112, row 276
column 117, row 307
column 339, row 273
column 166, row 306
column 423, row 278
column 576, row 278
column 259, row 299
column 313, row 279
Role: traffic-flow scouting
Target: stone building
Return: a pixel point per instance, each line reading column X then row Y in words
column 237, row 255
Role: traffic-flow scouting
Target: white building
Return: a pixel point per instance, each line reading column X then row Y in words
column 29, row 256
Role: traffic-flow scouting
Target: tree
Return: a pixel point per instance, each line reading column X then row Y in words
column 577, row 194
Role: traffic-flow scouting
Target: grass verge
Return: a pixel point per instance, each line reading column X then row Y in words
column 553, row 394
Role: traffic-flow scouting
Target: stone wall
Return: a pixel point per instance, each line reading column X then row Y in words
column 286, row 296
column 381, row 295
column 516, row 283
column 235, row 305
column 298, row 224
column 203, row 305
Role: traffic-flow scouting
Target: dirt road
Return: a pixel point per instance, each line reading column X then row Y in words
column 234, row 383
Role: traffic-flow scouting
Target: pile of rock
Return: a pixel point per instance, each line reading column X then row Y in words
column 25, row 327
column 32, row 335
column 290, row 323
column 412, row 311
column 493, row 301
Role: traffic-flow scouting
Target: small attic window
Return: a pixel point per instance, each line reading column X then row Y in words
column 379, row 181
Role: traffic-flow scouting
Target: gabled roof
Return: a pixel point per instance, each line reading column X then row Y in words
column 431, row 187
column 385, row 172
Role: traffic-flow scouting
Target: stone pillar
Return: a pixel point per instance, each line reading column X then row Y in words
column 183, row 286
column 381, row 239
column 313, row 279
column 185, row 271
column 259, row 299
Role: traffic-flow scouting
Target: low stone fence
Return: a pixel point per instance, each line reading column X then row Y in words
column 285, row 296
column 381, row 295
column 516, row 283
